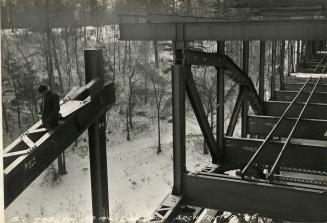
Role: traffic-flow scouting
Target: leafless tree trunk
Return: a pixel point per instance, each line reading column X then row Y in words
column 127, row 126
column 158, row 93
column 57, row 62
column 76, row 57
column 125, row 58
column 292, row 56
column 17, row 105
column 118, row 45
column 130, row 99
column 4, row 117
column 68, row 57
column 85, row 40
column 114, row 72
column 49, row 58
column 31, row 110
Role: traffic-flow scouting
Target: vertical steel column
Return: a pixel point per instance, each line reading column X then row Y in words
column 262, row 70
column 297, row 55
column 243, row 89
column 306, row 52
column 178, row 103
column 273, row 71
column 220, row 102
column 97, row 144
column 282, row 65
column 179, row 161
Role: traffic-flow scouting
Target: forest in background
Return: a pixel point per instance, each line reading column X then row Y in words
column 52, row 55
column 36, row 50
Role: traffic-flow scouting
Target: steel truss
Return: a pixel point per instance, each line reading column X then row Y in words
column 81, row 109
column 300, row 118
column 262, row 187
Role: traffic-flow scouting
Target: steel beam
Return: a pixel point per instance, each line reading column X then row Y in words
column 178, row 94
column 273, row 71
column 231, row 70
column 241, row 30
column 167, row 210
column 22, row 170
column 273, row 4
column 283, row 202
column 314, row 129
column 282, row 65
column 297, row 55
column 300, row 80
column 298, row 157
column 317, row 97
column 243, row 89
column 297, row 86
column 94, row 68
column 313, row 110
column 199, row 112
column 220, row 118
column 262, row 70
column 235, row 114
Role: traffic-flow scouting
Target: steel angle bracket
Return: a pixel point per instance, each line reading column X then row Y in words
column 94, row 87
column 167, row 210
column 99, row 103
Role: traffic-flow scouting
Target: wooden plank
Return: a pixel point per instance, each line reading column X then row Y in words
column 28, row 141
column 17, row 153
column 71, row 106
column 207, row 215
column 36, row 131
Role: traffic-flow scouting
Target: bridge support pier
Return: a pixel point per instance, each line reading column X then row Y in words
column 97, row 144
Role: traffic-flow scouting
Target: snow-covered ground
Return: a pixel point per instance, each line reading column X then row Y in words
column 139, row 179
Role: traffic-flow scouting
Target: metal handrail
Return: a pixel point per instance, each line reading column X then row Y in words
column 245, row 169
column 270, row 174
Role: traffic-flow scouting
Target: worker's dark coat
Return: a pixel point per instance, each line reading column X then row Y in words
column 50, row 110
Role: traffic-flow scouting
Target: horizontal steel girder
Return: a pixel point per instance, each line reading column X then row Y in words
column 315, row 129
column 312, row 111
column 284, row 202
column 275, row 3
column 299, row 157
column 297, row 87
column 20, row 171
column 243, row 30
column 317, row 97
column 298, row 80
